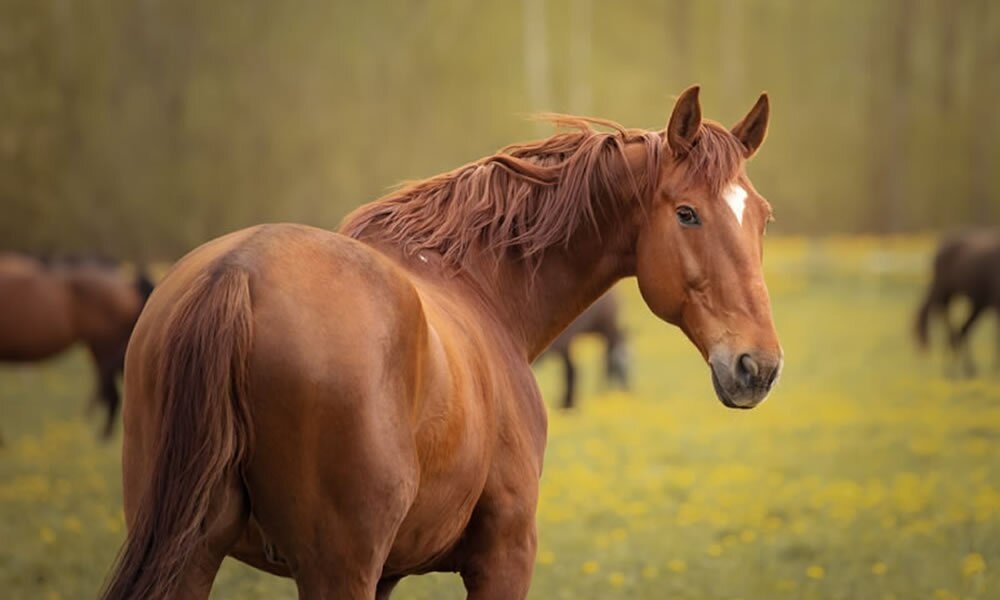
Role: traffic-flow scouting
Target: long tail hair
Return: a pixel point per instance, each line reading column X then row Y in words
column 204, row 433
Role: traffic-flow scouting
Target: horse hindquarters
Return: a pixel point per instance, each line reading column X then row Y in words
column 332, row 373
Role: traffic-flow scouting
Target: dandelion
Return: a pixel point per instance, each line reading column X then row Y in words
column 879, row 568
column 815, row 572
column 650, row 572
column 590, row 567
column 972, row 564
column 546, row 557
column 748, row 536
column 714, row 550
column 617, row 579
column 677, row 566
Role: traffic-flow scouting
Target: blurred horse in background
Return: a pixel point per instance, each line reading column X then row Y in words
column 600, row 319
column 48, row 306
column 966, row 264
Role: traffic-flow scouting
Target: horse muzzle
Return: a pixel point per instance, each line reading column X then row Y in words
column 743, row 380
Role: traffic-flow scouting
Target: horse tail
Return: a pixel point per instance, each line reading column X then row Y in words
column 205, row 433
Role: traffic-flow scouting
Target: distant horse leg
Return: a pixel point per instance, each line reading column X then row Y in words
column 616, row 361
column 108, row 364
column 569, row 373
column 960, row 342
column 112, row 400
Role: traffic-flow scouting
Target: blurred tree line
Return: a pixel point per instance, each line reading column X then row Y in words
column 140, row 128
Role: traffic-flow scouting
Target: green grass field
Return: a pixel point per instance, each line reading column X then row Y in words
column 867, row 474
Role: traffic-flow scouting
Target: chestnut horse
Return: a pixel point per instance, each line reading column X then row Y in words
column 600, row 318
column 47, row 307
column 351, row 408
column 965, row 264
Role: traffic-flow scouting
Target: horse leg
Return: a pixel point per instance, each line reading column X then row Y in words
column 342, row 556
column 224, row 525
column 385, row 587
column 501, row 553
column 616, row 361
column 334, row 516
column 569, row 374
column 960, row 341
column 108, row 391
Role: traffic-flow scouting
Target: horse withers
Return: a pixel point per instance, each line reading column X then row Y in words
column 601, row 319
column 351, row 408
column 46, row 307
column 966, row 265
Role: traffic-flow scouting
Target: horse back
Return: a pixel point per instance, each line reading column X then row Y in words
column 36, row 311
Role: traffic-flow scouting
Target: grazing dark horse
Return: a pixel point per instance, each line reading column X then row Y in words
column 966, row 264
column 600, row 318
column 47, row 307
column 351, row 408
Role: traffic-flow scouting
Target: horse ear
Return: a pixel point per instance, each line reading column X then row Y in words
column 752, row 130
column 685, row 122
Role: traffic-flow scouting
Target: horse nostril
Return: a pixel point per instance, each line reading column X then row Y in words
column 747, row 369
column 772, row 376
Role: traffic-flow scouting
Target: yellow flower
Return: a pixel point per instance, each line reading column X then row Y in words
column 677, row 566
column 942, row 594
column 879, row 568
column 748, row 536
column 650, row 572
column 617, row 579
column 714, row 550
column 590, row 566
column 815, row 572
column 72, row 524
column 48, row 536
column 546, row 557
column 972, row 564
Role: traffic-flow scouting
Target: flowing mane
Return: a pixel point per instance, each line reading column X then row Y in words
column 533, row 196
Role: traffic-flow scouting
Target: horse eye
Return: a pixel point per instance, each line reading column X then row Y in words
column 687, row 217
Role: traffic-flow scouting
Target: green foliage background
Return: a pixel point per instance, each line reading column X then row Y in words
column 143, row 127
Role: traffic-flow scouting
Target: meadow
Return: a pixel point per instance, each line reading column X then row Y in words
column 868, row 473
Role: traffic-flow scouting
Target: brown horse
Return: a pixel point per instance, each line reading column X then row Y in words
column 46, row 307
column 966, row 264
column 350, row 408
column 600, row 318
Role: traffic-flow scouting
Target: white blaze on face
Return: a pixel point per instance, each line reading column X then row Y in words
column 736, row 197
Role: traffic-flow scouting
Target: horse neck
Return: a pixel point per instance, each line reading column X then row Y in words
column 536, row 304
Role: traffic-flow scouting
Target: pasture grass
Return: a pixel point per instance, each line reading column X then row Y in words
column 867, row 474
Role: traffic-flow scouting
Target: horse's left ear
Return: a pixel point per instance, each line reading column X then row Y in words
column 752, row 130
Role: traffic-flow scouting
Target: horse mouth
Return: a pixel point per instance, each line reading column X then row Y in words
column 726, row 397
